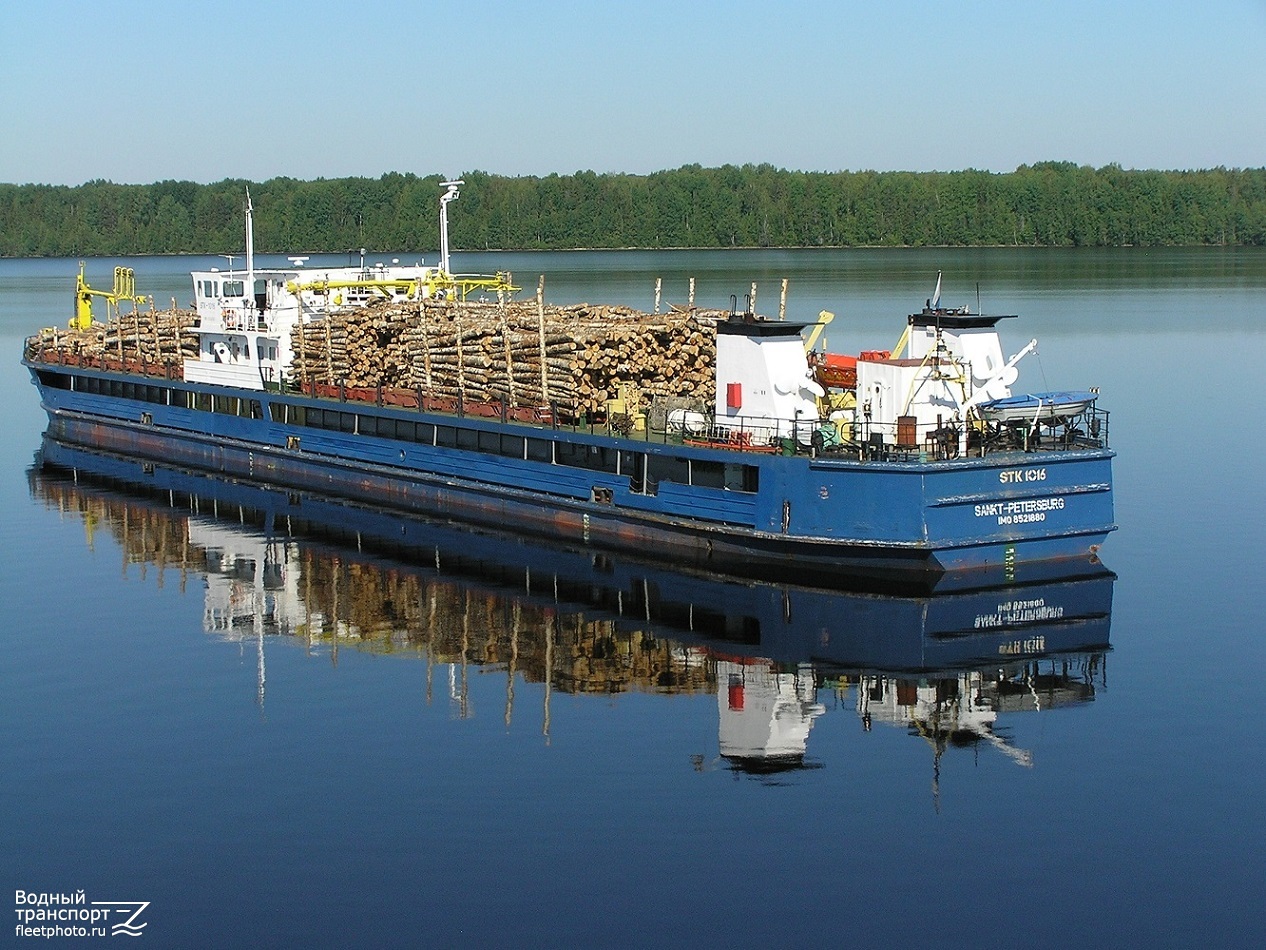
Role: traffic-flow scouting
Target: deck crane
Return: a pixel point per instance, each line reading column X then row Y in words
column 124, row 289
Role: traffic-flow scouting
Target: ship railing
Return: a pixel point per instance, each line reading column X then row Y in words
column 170, row 367
column 908, row 440
column 867, row 440
column 1087, row 430
column 237, row 319
column 753, row 434
column 757, row 433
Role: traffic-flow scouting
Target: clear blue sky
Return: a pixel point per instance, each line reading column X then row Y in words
column 141, row 91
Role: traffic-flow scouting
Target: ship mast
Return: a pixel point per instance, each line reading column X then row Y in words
column 452, row 194
column 250, row 244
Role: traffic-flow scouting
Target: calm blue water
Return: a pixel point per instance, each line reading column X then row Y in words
column 381, row 752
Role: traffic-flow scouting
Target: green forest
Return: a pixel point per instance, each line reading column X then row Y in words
column 1052, row 204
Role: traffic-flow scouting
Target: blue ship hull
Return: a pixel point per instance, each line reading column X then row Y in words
column 754, row 514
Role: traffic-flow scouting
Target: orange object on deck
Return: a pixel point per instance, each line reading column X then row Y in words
column 836, row 371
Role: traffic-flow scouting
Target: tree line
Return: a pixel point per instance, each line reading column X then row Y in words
column 1054, row 204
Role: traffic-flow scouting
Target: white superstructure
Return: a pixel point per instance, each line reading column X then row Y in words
column 245, row 317
column 764, row 385
column 952, row 362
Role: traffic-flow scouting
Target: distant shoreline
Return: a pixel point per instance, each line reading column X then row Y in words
column 431, row 254
column 1051, row 204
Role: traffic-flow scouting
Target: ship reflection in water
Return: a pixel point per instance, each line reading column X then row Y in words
column 946, row 665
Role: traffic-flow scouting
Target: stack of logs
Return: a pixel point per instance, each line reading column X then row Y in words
column 155, row 337
column 523, row 353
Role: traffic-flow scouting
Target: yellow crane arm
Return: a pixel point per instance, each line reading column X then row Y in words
column 905, row 338
column 436, row 283
column 124, row 289
column 325, row 286
column 824, row 318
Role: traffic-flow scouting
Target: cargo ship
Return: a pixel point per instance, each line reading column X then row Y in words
column 906, row 464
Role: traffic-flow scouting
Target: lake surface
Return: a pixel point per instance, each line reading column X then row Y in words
column 305, row 730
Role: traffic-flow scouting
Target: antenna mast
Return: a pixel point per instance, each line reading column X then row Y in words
column 250, row 244
column 451, row 194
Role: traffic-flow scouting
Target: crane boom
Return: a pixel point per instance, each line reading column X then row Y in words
column 124, row 289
